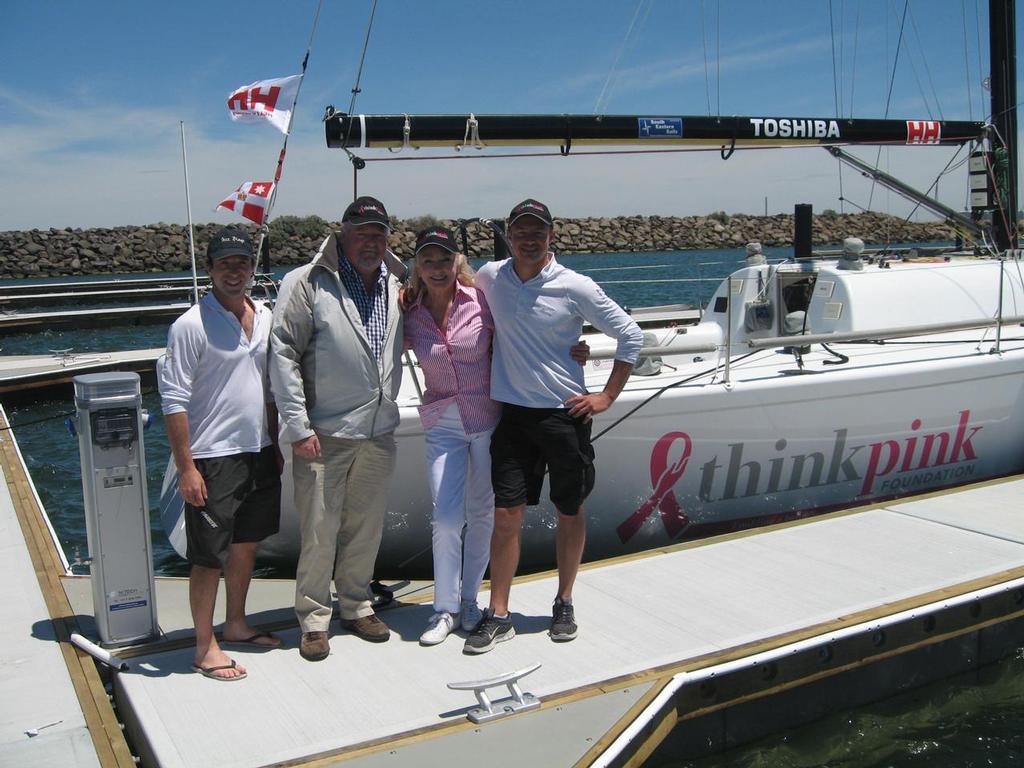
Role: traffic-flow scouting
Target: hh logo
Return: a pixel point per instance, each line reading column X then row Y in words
column 924, row 131
column 663, row 478
column 254, row 99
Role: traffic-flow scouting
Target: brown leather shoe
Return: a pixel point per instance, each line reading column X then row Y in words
column 368, row 627
column 314, row 646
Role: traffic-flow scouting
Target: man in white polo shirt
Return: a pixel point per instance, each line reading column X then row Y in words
column 539, row 308
column 222, row 426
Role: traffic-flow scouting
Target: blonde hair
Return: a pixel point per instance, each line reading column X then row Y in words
column 464, row 275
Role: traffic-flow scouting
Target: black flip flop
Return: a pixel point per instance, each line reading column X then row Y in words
column 208, row 672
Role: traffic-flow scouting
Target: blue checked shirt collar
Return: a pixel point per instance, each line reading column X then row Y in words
column 373, row 310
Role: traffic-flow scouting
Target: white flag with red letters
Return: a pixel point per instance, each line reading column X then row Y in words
column 269, row 100
column 250, row 200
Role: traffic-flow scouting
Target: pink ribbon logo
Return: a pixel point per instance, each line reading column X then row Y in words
column 663, row 478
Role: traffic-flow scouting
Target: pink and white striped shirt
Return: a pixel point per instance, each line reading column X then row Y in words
column 456, row 360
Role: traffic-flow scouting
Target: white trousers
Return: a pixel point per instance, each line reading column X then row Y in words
column 459, row 471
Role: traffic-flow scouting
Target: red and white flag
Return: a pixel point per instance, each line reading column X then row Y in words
column 270, row 100
column 250, row 200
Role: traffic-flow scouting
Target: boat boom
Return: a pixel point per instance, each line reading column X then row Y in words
column 404, row 130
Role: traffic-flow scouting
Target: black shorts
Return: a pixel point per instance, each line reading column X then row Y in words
column 528, row 440
column 243, row 504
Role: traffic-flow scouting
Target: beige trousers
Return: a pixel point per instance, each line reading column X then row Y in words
column 340, row 498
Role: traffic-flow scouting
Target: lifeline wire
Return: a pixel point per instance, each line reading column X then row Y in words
column 665, row 389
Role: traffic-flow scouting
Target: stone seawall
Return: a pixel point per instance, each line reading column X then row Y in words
column 164, row 247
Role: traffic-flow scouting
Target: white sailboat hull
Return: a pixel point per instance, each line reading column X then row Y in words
column 777, row 441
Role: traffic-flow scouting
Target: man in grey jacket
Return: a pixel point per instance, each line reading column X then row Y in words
column 335, row 370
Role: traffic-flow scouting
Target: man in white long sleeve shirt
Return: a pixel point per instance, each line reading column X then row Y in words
column 222, row 427
column 539, row 308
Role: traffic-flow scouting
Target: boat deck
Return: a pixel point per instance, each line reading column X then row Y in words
column 642, row 619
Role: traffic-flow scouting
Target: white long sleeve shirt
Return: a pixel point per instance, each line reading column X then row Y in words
column 218, row 376
column 535, row 325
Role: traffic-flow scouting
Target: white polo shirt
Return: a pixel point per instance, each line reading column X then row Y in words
column 535, row 325
column 218, row 376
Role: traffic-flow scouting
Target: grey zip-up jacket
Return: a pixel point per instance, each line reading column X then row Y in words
column 322, row 370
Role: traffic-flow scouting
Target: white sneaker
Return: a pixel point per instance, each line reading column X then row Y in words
column 440, row 626
column 471, row 616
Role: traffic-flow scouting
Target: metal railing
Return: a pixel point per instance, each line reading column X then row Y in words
column 882, row 333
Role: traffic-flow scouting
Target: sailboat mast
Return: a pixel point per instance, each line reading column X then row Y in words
column 1003, row 73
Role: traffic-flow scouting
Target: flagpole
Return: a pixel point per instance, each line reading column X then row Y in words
column 284, row 147
column 188, row 207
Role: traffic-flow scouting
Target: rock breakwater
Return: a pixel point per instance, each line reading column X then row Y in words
column 164, row 247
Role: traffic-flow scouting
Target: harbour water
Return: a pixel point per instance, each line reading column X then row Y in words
column 975, row 721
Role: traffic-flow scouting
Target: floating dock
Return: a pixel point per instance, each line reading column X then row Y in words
column 36, row 374
column 26, row 322
column 690, row 649
column 12, row 288
column 18, row 301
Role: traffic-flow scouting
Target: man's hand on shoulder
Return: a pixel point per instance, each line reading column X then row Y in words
column 307, row 448
column 192, row 487
column 587, row 406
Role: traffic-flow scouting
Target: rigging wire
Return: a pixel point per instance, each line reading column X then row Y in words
column 934, row 185
column 853, row 66
column 927, row 69
column 356, row 90
column 718, row 57
column 835, row 80
column 842, row 51
column 892, row 82
column 357, row 162
column 967, row 61
column 977, row 30
column 602, row 99
column 707, row 372
column 704, row 44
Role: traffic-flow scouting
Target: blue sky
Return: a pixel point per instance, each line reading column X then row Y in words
column 92, row 96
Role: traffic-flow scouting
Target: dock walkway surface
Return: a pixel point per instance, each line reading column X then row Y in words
column 642, row 619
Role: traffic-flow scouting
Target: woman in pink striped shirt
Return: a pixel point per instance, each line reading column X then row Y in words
column 449, row 327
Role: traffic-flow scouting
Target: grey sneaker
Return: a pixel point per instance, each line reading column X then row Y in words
column 490, row 631
column 563, row 621
column 471, row 615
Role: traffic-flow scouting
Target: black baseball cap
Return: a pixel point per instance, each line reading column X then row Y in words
column 230, row 241
column 531, row 207
column 440, row 236
column 367, row 210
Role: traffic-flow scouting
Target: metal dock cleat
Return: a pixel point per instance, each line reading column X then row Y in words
column 488, row 710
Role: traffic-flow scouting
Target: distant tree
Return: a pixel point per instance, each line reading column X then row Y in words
column 416, row 223
column 304, row 227
column 720, row 216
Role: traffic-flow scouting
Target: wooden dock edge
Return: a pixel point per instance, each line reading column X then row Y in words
column 107, row 737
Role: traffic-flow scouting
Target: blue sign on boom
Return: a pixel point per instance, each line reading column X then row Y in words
column 660, row 127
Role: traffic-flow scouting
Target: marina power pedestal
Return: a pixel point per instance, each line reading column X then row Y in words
column 109, row 424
